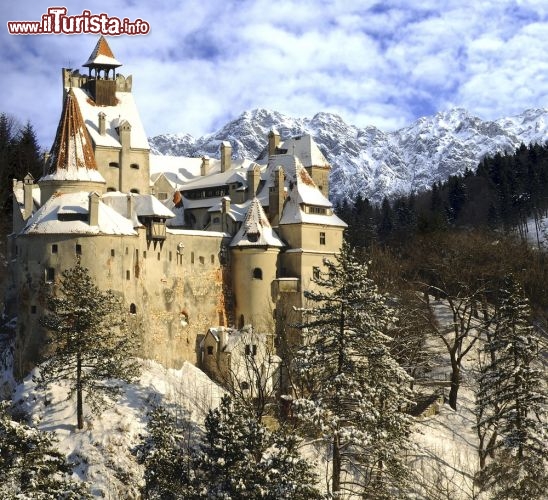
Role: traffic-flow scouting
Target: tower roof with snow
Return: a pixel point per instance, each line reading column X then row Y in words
column 102, row 56
column 71, row 156
column 256, row 231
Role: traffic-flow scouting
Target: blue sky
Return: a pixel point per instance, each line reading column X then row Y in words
column 375, row 63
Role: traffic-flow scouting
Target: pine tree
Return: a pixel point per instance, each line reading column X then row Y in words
column 88, row 342
column 31, row 467
column 27, row 153
column 512, row 401
column 353, row 391
column 167, row 456
column 240, row 459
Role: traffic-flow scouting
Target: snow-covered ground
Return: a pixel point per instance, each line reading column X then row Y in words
column 102, row 451
column 445, row 461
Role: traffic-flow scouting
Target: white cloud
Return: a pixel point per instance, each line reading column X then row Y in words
column 381, row 64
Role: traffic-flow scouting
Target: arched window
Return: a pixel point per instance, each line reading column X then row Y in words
column 132, row 309
column 257, row 273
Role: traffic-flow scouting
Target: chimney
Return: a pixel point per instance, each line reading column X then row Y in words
column 253, row 179
column 129, row 206
column 225, row 210
column 276, row 197
column 28, row 183
column 102, row 123
column 93, row 209
column 204, row 168
column 226, row 155
column 273, row 142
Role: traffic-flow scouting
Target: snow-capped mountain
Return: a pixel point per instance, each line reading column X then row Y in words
column 367, row 161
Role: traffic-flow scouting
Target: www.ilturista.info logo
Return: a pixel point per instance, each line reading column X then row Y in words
column 56, row 22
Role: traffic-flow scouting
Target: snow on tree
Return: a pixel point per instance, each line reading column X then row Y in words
column 512, row 402
column 352, row 390
column 88, row 344
column 31, row 467
column 167, row 456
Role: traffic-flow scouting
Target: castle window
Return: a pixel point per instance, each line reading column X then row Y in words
column 242, row 322
column 202, row 260
column 170, row 256
column 316, row 273
column 216, row 220
column 257, row 273
column 192, row 257
column 135, row 166
column 144, row 254
column 244, row 385
column 132, row 309
column 162, row 195
column 158, row 255
column 50, row 275
column 250, row 350
column 111, row 190
column 210, row 350
column 213, row 259
column 322, row 238
column 134, row 191
column 127, row 250
column 78, row 249
column 112, row 252
column 128, row 275
column 33, row 309
column 54, row 248
column 114, row 164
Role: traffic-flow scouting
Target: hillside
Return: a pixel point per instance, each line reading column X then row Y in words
column 367, row 161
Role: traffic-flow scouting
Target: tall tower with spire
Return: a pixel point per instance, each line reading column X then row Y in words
column 110, row 114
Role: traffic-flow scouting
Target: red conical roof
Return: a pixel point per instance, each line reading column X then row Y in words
column 102, row 55
column 72, row 149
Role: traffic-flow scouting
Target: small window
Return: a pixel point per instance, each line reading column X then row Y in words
column 210, row 350
column 242, row 321
column 135, row 166
column 114, row 164
column 127, row 250
column 316, row 273
column 128, row 275
column 112, row 252
column 54, row 248
column 33, row 309
column 251, row 350
column 213, row 259
column 192, row 257
column 144, row 254
column 78, row 249
column 134, row 191
column 132, row 309
column 257, row 273
column 216, row 220
column 202, row 260
column 111, row 190
column 244, row 385
column 170, row 256
column 50, row 275
column 158, row 255
column 322, row 238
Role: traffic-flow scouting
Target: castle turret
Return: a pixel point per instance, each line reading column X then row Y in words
column 254, row 250
column 71, row 163
column 102, row 74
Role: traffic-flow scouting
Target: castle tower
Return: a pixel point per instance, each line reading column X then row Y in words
column 254, row 250
column 102, row 74
column 71, row 163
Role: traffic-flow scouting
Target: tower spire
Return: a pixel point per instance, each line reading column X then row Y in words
column 72, row 149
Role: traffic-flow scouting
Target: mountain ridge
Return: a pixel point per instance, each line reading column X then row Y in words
column 367, row 161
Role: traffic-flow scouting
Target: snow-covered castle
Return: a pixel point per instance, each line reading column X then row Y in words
column 193, row 245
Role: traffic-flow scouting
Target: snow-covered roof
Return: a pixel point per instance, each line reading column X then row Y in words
column 256, row 230
column 304, row 148
column 145, row 205
column 71, row 156
column 102, row 55
column 46, row 219
column 125, row 109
